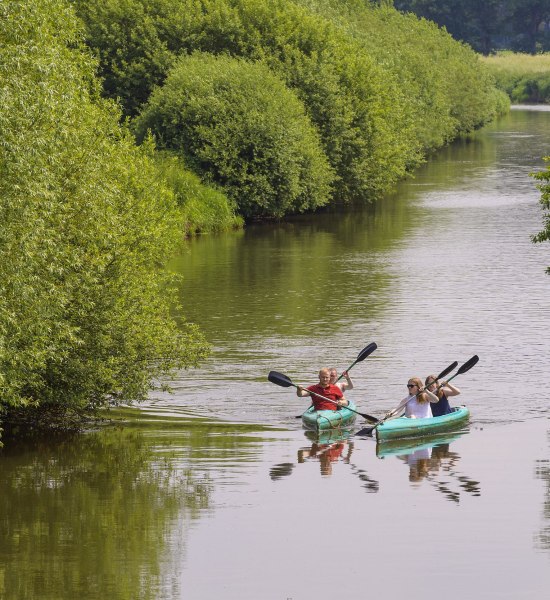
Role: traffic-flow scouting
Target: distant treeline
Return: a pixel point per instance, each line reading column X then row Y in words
column 488, row 25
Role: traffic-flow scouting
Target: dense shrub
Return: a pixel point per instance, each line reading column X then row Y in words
column 204, row 208
column 87, row 226
column 381, row 87
column 238, row 125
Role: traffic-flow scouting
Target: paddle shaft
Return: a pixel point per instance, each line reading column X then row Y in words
column 360, row 357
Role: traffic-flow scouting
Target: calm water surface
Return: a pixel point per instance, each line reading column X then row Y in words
column 215, row 492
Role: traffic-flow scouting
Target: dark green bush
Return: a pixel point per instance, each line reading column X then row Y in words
column 239, row 126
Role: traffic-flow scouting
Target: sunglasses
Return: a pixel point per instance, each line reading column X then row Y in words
column 411, row 385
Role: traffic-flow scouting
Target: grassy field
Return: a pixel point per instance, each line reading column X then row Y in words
column 524, row 77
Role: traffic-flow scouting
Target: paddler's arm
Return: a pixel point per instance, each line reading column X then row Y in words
column 349, row 383
column 432, row 397
column 301, row 392
column 342, row 401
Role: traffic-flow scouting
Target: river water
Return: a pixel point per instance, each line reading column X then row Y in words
column 215, row 491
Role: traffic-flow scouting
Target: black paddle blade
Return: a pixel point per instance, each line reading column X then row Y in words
column 366, row 351
column 468, row 364
column 447, row 370
column 279, row 379
column 368, row 418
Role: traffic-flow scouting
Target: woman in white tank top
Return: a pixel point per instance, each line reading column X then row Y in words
column 418, row 404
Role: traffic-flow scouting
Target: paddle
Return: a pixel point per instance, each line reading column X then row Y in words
column 402, row 404
column 465, row 367
column 367, row 350
column 284, row 381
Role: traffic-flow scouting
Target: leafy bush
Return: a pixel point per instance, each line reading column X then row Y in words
column 87, row 226
column 204, row 208
column 239, row 126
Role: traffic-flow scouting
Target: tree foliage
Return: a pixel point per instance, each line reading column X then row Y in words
column 238, row 124
column 490, row 25
column 87, row 226
column 544, row 178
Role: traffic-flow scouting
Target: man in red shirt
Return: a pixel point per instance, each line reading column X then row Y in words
column 326, row 389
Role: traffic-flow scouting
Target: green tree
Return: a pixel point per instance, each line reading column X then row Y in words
column 87, row 225
column 238, row 125
column 544, row 177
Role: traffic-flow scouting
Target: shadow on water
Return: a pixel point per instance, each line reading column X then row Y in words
column 432, row 460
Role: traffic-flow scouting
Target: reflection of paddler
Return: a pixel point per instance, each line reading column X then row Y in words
column 326, row 453
column 419, row 464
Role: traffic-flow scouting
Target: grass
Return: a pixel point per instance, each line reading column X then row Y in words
column 524, row 77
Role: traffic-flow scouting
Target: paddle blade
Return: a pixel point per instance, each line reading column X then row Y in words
column 468, row 364
column 446, row 371
column 279, row 379
column 366, row 351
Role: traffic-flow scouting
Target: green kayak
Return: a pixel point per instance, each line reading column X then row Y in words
column 411, row 428
column 320, row 420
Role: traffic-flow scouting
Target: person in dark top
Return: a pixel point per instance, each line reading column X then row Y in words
column 443, row 391
column 326, row 389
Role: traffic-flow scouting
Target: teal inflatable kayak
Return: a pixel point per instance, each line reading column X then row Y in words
column 403, row 427
column 320, row 420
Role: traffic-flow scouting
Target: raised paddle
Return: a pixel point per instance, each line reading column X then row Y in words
column 402, row 404
column 284, row 381
column 367, row 351
column 465, row 367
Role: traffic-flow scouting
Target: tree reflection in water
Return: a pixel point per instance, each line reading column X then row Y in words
column 542, row 471
column 91, row 516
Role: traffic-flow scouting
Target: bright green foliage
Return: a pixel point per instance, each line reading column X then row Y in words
column 204, row 208
column 525, row 78
column 238, row 125
column 544, row 177
column 365, row 126
column 87, row 226
column 382, row 88
column 444, row 85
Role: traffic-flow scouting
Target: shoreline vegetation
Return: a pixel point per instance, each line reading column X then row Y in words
column 127, row 125
column 525, row 78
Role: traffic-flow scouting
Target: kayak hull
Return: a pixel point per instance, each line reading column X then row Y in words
column 323, row 420
column 403, row 427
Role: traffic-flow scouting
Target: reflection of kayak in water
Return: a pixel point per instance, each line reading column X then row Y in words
column 404, row 427
column 328, row 436
column 322, row 420
column 409, row 446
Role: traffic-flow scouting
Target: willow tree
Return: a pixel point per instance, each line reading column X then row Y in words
column 87, row 227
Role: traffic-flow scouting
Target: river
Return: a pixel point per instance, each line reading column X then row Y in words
column 215, row 492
